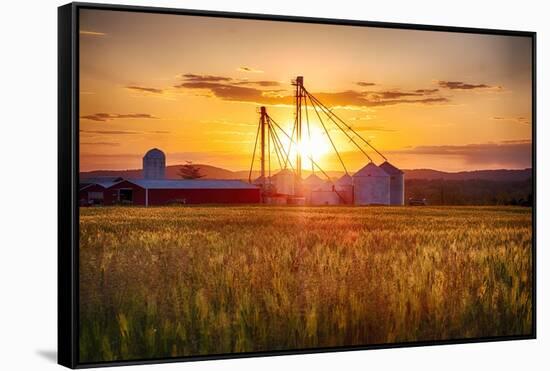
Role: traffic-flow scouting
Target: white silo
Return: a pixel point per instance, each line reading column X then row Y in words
column 344, row 187
column 371, row 186
column 397, row 183
column 262, row 180
column 313, row 181
column 154, row 164
column 309, row 184
column 284, row 182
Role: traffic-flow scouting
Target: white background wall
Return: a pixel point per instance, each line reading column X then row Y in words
column 28, row 158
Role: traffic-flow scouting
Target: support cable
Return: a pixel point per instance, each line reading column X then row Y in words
column 331, row 114
column 290, row 144
column 268, row 155
column 339, row 127
column 254, row 153
column 277, row 149
column 280, row 143
column 309, row 133
column 331, row 141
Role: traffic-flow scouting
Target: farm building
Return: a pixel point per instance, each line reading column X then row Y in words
column 150, row 192
column 155, row 190
column 91, row 190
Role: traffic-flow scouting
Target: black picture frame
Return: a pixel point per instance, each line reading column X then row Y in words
column 68, row 173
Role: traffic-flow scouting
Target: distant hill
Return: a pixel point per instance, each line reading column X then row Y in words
column 172, row 172
column 212, row 172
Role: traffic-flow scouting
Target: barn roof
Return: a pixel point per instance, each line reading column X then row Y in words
column 103, row 181
column 191, row 184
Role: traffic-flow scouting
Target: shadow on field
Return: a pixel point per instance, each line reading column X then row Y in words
column 50, row 355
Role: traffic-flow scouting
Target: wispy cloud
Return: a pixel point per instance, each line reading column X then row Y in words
column 145, row 89
column 204, row 78
column 249, row 69
column 365, row 83
column 264, row 83
column 115, row 116
column 377, row 98
column 426, row 91
column 393, row 94
column 460, row 85
column 92, row 33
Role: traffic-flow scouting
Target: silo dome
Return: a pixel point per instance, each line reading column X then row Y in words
column 313, row 181
column 371, row 186
column 284, row 182
column 154, row 164
column 261, row 180
column 345, row 180
column 310, row 184
column 397, row 183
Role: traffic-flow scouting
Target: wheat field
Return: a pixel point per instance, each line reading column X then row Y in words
column 187, row 281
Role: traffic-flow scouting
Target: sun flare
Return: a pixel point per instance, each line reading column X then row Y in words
column 315, row 146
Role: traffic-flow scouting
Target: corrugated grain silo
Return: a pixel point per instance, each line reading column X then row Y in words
column 371, row 186
column 154, row 164
column 309, row 184
column 313, row 181
column 284, row 182
column 397, row 183
column 344, row 187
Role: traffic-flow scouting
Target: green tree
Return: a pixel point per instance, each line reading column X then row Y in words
column 190, row 171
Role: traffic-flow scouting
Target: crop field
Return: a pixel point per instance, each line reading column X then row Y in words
column 184, row 281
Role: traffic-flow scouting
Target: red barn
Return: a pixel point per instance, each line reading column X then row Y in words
column 92, row 190
column 164, row 192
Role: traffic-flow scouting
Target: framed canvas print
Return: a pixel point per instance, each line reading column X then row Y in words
column 235, row 185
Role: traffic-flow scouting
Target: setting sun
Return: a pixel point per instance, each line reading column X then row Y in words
column 316, row 146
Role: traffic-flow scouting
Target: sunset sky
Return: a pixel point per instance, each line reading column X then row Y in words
column 191, row 86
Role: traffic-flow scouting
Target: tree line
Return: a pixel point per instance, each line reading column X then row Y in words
column 470, row 192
